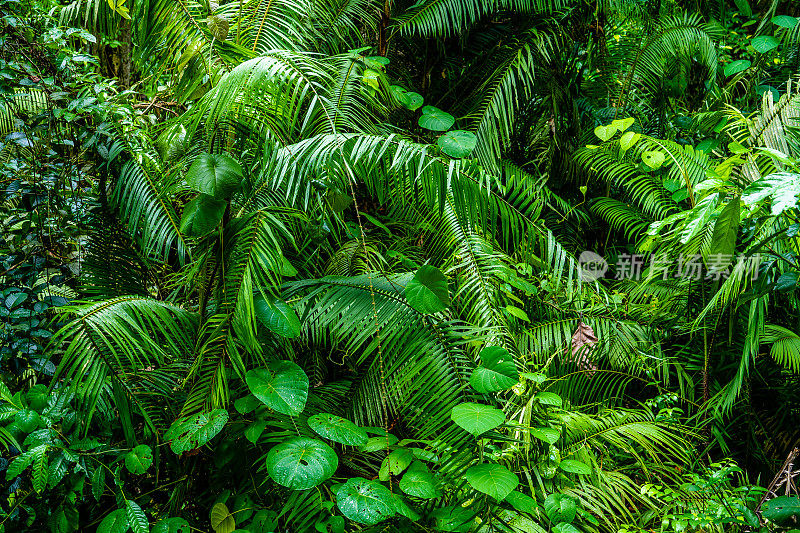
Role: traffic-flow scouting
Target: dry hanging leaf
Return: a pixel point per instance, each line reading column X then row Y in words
column 583, row 340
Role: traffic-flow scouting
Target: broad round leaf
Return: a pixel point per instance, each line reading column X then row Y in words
column 38, row 397
column 560, row 508
column 419, row 482
column 222, row 521
column 402, row 507
column 605, row 132
column 781, row 509
column 415, row 100
column 114, row 522
column 301, row 463
column 338, row 429
column 497, row 371
column 247, row 404
column 171, row 525
column 477, row 418
column 548, row 435
column 194, row 431
column 435, row 119
column 521, row 502
column 457, row 143
column 564, row 527
column 575, row 467
column 455, row 518
column 363, row 501
column 734, row 67
column 400, row 95
column 785, row 21
column 495, row 480
column 138, row 460
column 219, row 27
column 427, row 292
column 548, row 398
column 202, row 215
column 282, row 386
column 277, row 316
column 764, row 43
column 653, row 158
column 628, row 139
column 218, row 175
column 27, row 419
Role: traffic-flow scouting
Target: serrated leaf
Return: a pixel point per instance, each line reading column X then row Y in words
column 278, row 316
column 217, row 175
column 435, row 119
column 300, row 463
column 457, row 143
column 497, row 371
column 136, row 517
column 222, row 521
column 428, row 292
column 419, row 482
column 338, row 429
column 282, row 386
column 138, row 460
column 115, row 522
column 196, row 430
column 477, row 418
column 575, row 467
column 495, row 480
column 363, row 501
column 40, row 473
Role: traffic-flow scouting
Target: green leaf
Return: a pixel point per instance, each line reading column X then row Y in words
column 254, row 430
column 222, row 521
column 575, row 467
column 202, row 215
column 372, row 78
column 785, row 21
column 548, row 398
column 138, row 460
column 516, row 312
column 38, row 397
column 136, row 517
column 427, row 292
column 196, row 430
column 605, row 132
column 171, row 525
column 560, row 508
column 781, row 509
column 563, row 527
column 455, row 519
column 622, row 124
column 300, row 463
column 27, row 420
column 98, row 482
column 282, row 386
column 415, row 100
column 338, row 429
column 653, row 158
column 521, row 502
column 400, row 95
column 476, row 418
column 548, row 435
column 277, row 316
column 734, row 67
column 114, row 522
column 247, row 404
column 435, row 119
column 399, row 460
column 787, row 282
column 726, row 229
column 628, row 139
column 782, row 188
column 495, row 480
column 457, row 143
column 40, row 471
column 764, row 43
column 218, row 175
column 497, row 371
column 419, row 482
column 363, row 501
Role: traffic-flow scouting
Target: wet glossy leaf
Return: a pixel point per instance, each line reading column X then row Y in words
column 338, row 429
column 477, row 418
column 495, row 480
column 282, row 386
column 301, row 463
column 363, row 501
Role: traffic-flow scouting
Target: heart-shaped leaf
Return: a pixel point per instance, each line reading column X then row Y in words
column 222, row 521
column 623, row 124
column 495, row 480
column 435, row 119
column 563, row 527
column 218, row 175
column 282, row 386
column 735, row 67
column 628, row 139
column 497, row 371
column 457, row 143
column 560, row 508
column 419, row 482
column 202, row 215
column 301, row 463
column 338, row 429
column 363, row 501
column 653, row 158
column 605, row 132
column 138, row 460
column 477, row 418
column 277, row 316
column 415, row 101
column 114, row 522
column 400, row 95
column 548, row 435
column 427, row 292
column 764, row 43
column 521, row 502
column 575, row 467
column 196, row 430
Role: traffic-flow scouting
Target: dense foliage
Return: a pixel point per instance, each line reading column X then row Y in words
column 437, row 265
